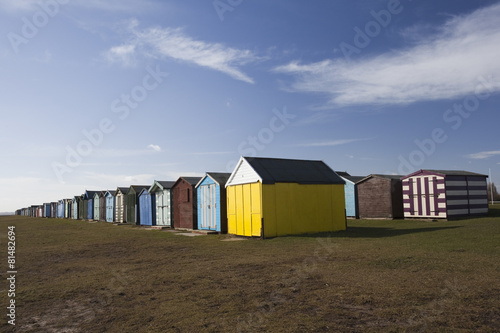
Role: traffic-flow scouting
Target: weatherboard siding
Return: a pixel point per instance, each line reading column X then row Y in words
column 429, row 194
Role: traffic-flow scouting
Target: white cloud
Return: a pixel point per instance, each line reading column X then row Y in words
column 330, row 143
column 123, row 54
column 483, row 155
column 161, row 43
column 445, row 65
column 155, row 147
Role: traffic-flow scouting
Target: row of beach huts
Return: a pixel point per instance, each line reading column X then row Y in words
column 269, row 197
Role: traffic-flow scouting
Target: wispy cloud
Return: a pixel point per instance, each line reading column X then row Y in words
column 155, row 147
column 329, row 143
column 483, row 155
column 444, row 65
column 174, row 43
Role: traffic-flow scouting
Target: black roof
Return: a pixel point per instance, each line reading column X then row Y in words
column 191, row 180
column 124, row 190
column 166, row 184
column 113, row 193
column 455, row 172
column 139, row 188
column 354, row 179
column 277, row 170
column 90, row 194
column 392, row 177
column 220, row 177
column 342, row 173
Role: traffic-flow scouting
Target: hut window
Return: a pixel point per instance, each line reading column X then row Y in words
column 187, row 197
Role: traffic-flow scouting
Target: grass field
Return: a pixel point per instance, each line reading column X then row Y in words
column 378, row 276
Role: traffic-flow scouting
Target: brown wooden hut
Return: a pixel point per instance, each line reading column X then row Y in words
column 380, row 196
column 185, row 203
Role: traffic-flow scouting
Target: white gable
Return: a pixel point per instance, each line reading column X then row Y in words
column 243, row 174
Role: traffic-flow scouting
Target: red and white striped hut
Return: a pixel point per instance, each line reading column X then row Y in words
column 444, row 194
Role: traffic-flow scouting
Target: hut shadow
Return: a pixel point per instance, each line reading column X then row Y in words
column 374, row 232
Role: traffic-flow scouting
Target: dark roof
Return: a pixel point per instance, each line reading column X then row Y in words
column 191, row 180
column 166, row 184
column 220, row 177
column 455, row 172
column 277, row 170
column 113, row 193
column 124, row 190
column 90, row 194
column 139, row 188
column 353, row 179
column 342, row 173
column 392, row 177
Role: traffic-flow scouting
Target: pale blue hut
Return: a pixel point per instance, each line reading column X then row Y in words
column 110, row 205
column 74, row 206
column 351, row 194
column 212, row 212
column 163, row 213
column 89, row 198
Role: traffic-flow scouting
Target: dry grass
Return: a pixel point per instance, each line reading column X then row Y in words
column 379, row 276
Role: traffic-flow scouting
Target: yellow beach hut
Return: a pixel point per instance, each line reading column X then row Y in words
column 269, row 197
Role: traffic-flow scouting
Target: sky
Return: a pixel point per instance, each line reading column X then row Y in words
column 100, row 94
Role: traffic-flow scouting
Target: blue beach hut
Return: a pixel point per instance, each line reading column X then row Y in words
column 110, row 205
column 146, row 207
column 89, row 198
column 351, row 194
column 211, row 192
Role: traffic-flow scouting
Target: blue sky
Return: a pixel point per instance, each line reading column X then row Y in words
column 100, row 94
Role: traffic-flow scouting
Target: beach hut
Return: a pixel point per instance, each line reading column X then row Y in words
column 132, row 203
column 89, row 197
column 67, row 208
column 211, row 192
column 74, row 206
column 60, row 209
column 110, row 205
column 121, row 193
column 102, row 206
column 444, row 194
column 146, row 207
column 53, row 209
column 184, row 203
column 350, row 193
column 46, row 210
column 82, row 208
column 268, row 197
column 163, row 214
column 39, row 211
column 97, row 206
column 380, row 196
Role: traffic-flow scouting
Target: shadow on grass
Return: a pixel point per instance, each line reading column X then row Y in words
column 374, row 232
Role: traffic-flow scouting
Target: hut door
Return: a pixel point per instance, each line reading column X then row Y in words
column 208, row 207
